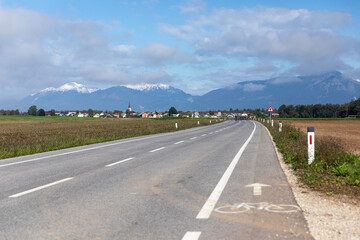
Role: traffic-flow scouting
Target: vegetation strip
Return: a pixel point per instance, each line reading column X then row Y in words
column 334, row 171
column 28, row 135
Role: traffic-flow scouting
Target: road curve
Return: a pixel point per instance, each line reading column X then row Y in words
column 216, row 182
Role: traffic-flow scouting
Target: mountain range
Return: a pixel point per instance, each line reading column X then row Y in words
column 331, row 87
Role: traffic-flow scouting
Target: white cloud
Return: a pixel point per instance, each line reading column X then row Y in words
column 311, row 41
column 158, row 54
column 192, row 6
column 37, row 51
column 252, row 87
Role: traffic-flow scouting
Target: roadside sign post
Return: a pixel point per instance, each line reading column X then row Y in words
column 270, row 110
column 176, row 125
column 280, row 126
column 198, row 122
column 311, row 144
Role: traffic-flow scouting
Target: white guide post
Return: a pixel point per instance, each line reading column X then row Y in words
column 311, row 144
column 198, row 122
column 272, row 123
column 280, row 126
column 210, row 121
column 176, row 125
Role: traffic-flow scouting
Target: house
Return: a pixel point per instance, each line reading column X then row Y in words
column 123, row 115
column 145, row 115
column 195, row 115
column 96, row 115
column 116, row 115
column 185, row 116
column 71, row 114
column 155, row 115
column 275, row 114
column 83, row 114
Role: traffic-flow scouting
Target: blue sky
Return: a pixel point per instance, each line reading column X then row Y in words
column 194, row 45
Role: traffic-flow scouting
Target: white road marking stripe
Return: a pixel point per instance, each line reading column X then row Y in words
column 179, row 142
column 191, row 236
column 115, row 163
column 203, row 135
column 39, row 188
column 193, row 138
column 158, row 149
column 209, row 205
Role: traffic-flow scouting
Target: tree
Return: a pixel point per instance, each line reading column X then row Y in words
column 40, row 112
column 90, row 112
column 173, row 110
column 52, row 112
column 32, row 110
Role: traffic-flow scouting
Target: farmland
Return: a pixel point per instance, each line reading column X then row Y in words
column 346, row 133
column 27, row 135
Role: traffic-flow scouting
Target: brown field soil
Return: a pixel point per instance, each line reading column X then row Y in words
column 346, row 133
column 28, row 135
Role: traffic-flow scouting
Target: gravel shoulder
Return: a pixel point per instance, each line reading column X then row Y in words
column 328, row 217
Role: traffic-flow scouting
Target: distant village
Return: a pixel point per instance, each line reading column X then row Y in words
column 129, row 113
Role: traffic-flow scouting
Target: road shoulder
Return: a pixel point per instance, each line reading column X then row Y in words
column 335, row 217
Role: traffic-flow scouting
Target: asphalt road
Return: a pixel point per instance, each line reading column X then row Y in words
column 191, row 184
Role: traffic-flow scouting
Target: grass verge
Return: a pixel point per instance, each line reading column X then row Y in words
column 334, row 171
column 28, row 135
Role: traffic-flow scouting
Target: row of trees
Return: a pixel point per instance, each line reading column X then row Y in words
column 9, row 112
column 320, row 111
column 33, row 111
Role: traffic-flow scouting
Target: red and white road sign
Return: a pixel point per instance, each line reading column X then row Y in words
column 270, row 109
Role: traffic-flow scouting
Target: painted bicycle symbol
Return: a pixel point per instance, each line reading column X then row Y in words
column 262, row 206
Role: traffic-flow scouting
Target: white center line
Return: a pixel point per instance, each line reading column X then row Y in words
column 191, row 236
column 209, row 205
column 179, row 142
column 158, row 149
column 39, row 188
column 203, row 135
column 115, row 163
column 193, row 138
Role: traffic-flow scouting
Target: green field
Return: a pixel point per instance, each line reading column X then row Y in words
column 23, row 135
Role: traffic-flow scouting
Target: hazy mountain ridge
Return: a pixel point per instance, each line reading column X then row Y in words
column 331, row 87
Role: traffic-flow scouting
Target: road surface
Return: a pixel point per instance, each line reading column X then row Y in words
column 216, row 182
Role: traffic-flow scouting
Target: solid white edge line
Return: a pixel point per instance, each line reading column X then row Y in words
column 179, row 142
column 193, row 138
column 203, row 135
column 158, row 149
column 91, row 148
column 209, row 205
column 191, row 236
column 115, row 163
column 39, row 188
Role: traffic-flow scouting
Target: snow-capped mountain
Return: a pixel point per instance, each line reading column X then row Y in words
column 331, row 87
column 73, row 86
column 148, row 87
column 74, row 96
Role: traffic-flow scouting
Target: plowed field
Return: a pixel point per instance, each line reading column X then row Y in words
column 347, row 133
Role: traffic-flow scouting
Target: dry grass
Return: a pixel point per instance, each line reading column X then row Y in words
column 26, row 135
column 346, row 133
